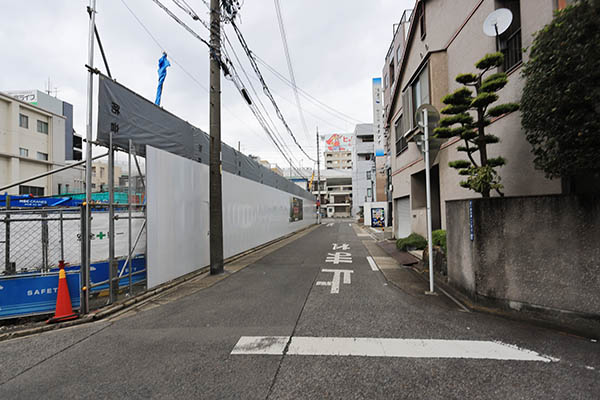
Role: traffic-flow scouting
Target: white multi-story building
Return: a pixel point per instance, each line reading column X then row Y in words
column 363, row 171
column 32, row 141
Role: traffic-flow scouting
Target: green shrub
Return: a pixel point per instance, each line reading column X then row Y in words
column 414, row 241
column 439, row 239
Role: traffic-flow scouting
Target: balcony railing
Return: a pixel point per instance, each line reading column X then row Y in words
column 513, row 54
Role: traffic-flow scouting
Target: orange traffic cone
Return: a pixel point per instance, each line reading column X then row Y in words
column 63, row 312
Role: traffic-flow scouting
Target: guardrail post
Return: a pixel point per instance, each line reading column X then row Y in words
column 44, row 242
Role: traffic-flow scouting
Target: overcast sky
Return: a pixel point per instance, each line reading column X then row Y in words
column 336, row 47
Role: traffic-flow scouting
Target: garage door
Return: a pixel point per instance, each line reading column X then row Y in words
column 402, row 216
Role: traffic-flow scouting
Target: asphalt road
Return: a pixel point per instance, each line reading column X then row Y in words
column 183, row 349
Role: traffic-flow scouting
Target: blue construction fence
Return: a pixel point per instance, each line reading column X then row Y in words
column 29, row 294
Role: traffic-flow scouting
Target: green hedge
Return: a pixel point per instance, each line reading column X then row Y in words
column 414, row 241
column 439, row 239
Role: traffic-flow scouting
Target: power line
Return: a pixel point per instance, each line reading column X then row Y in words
column 227, row 41
column 183, row 24
column 334, row 112
column 236, row 80
column 238, row 84
column 161, row 47
column 289, row 64
column 265, row 86
column 271, row 132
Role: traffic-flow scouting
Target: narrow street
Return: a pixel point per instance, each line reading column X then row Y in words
column 303, row 322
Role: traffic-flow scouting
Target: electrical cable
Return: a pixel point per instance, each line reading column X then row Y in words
column 240, row 88
column 266, row 90
column 286, row 50
column 334, row 112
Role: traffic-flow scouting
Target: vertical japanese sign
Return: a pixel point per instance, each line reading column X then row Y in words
column 379, row 142
column 378, row 118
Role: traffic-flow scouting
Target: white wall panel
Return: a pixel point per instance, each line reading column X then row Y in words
column 178, row 224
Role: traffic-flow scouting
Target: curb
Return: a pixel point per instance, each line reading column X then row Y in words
column 117, row 307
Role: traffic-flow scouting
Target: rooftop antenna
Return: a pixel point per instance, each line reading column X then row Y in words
column 497, row 23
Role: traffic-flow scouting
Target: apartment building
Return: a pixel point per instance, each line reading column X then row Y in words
column 32, row 142
column 432, row 44
column 335, row 193
column 363, row 171
column 100, row 176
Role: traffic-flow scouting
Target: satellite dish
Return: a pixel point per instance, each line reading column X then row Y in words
column 497, row 22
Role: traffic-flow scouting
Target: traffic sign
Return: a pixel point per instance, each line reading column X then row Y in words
column 433, row 116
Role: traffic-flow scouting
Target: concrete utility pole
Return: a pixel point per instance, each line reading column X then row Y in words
column 318, row 180
column 215, row 197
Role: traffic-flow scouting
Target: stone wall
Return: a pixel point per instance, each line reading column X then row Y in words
column 539, row 251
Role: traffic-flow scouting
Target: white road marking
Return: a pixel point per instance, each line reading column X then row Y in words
column 372, row 263
column 335, row 282
column 363, row 234
column 385, row 347
column 349, row 224
column 339, row 257
column 330, row 224
column 344, row 246
column 272, row 345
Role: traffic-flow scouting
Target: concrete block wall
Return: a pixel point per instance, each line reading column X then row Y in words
column 541, row 251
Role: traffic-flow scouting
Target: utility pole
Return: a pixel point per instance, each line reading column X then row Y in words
column 215, row 197
column 318, row 180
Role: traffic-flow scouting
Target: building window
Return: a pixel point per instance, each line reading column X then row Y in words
column 392, row 72
column 32, row 190
column 401, row 144
column 42, row 156
column 368, row 175
column 94, row 171
column 398, row 54
column 386, row 82
column 42, row 127
column 419, row 94
column 510, row 40
column 23, row 152
column 369, row 193
column 422, row 20
column 23, row 121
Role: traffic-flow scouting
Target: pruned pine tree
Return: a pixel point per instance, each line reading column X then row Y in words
column 468, row 115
